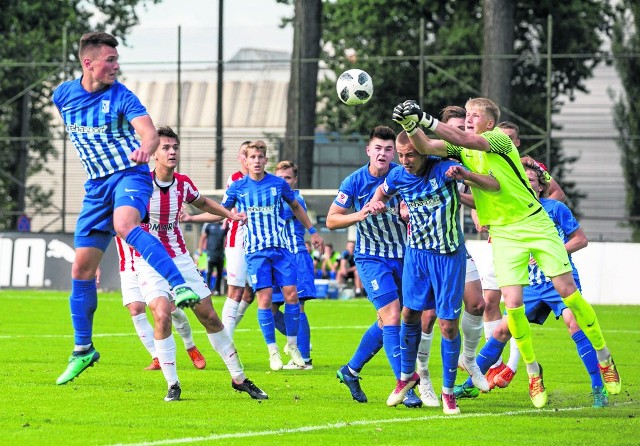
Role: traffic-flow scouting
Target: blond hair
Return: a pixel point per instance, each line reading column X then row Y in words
column 258, row 144
column 484, row 105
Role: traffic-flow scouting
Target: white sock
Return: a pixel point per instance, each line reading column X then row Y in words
column 166, row 351
column 145, row 332
column 181, row 323
column 223, row 344
column 292, row 341
column 471, row 332
column 514, row 355
column 424, row 351
column 242, row 307
column 229, row 314
column 489, row 328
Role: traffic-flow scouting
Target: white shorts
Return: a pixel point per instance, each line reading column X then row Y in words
column 237, row 272
column 488, row 276
column 130, row 287
column 153, row 285
column 472, row 270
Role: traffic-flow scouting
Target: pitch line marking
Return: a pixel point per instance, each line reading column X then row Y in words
column 343, row 424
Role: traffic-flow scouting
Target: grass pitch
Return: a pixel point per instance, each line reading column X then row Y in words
column 117, row 402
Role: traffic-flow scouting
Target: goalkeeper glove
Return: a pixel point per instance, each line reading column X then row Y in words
column 407, row 124
column 411, row 110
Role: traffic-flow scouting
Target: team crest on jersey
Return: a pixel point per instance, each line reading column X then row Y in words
column 274, row 191
column 106, row 104
column 342, row 198
column 434, row 183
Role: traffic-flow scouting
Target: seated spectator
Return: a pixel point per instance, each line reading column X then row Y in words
column 329, row 262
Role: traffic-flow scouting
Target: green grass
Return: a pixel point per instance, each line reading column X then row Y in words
column 117, row 402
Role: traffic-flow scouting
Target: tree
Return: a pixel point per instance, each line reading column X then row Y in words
column 498, row 32
column 625, row 46
column 453, row 48
column 31, row 46
column 301, row 106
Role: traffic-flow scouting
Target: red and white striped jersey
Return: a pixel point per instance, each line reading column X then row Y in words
column 125, row 255
column 235, row 233
column 164, row 209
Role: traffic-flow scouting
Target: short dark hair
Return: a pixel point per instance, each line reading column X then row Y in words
column 510, row 125
column 382, row 132
column 533, row 166
column 167, row 132
column 452, row 111
column 91, row 41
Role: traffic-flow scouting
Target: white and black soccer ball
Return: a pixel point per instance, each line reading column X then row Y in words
column 354, row 87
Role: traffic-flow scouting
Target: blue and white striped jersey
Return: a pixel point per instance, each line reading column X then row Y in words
column 261, row 201
column 433, row 201
column 566, row 224
column 382, row 235
column 99, row 125
column 293, row 231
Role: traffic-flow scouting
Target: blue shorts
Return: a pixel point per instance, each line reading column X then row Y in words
column 130, row 187
column 540, row 299
column 381, row 278
column 306, row 284
column 433, row 280
column 271, row 267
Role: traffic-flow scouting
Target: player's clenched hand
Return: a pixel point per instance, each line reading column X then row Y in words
column 411, row 110
column 407, row 124
column 458, row 173
column 241, row 217
column 377, row 207
column 317, row 242
column 139, row 156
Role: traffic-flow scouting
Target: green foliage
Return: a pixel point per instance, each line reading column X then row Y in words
column 117, row 402
column 31, row 55
column 385, row 35
column 626, row 44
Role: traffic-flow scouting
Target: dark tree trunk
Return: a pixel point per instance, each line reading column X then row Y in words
column 301, row 99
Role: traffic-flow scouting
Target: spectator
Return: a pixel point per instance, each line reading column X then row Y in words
column 212, row 242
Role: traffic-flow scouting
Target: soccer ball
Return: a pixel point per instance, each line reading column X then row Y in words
column 354, row 87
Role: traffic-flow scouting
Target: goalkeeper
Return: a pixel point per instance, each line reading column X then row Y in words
column 518, row 226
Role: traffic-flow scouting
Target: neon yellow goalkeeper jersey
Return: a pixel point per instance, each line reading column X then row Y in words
column 515, row 200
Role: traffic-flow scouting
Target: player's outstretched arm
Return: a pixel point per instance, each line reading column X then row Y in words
column 208, row 205
column 149, row 139
column 205, row 217
column 577, row 240
column 472, row 179
column 339, row 217
column 378, row 203
column 303, row 218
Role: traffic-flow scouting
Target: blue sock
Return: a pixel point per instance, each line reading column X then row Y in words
column 292, row 318
column 304, row 337
column 488, row 356
column 265, row 319
column 409, row 342
column 278, row 318
column 450, row 351
column 391, row 343
column 83, row 302
column 370, row 344
column 152, row 251
column 588, row 355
